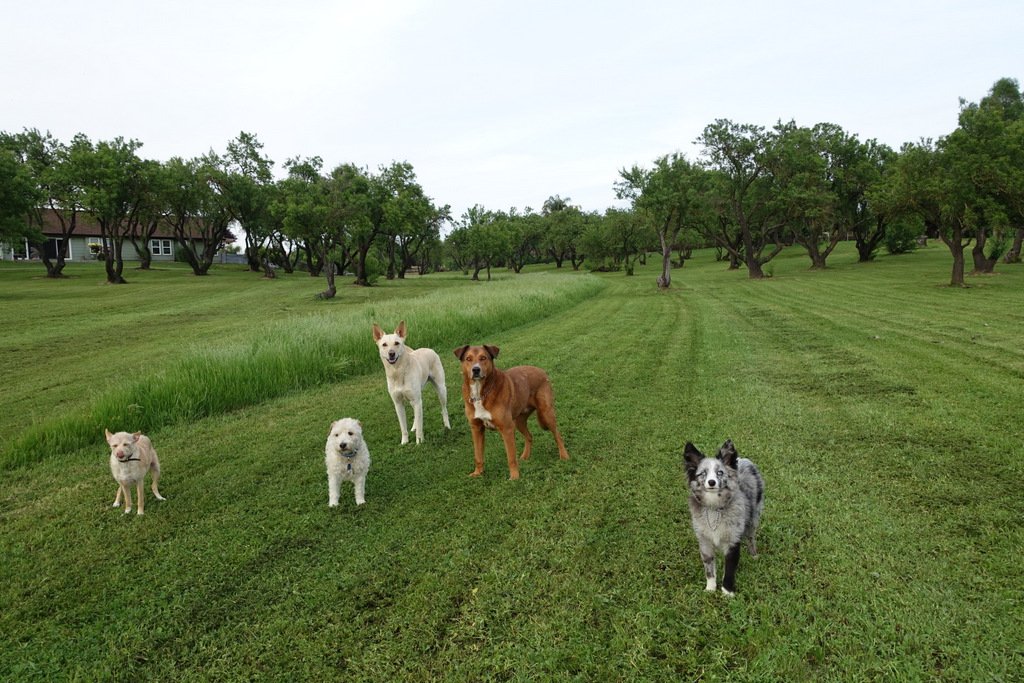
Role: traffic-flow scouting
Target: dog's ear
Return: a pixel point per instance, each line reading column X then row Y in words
column 492, row 350
column 107, row 432
column 135, row 436
column 461, row 351
column 377, row 332
column 400, row 330
column 691, row 459
column 727, row 454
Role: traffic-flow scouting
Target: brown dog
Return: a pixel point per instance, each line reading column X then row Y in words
column 502, row 401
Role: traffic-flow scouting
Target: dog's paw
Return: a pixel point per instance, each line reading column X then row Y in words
column 127, row 511
column 116, row 504
column 476, row 473
column 727, row 593
column 711, row 586
column 160, row 498
column 140, row 513
column 332, row 505
column 360, row 502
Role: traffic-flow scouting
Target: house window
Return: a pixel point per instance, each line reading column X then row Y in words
column 160, row 248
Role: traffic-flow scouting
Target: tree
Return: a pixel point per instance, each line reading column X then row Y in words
column 741, row 191
column 396, row 200
column 926, row 186
column 348, row 212
column 485, row 239
column 247, row 187
column 302, row 208
column 110, row 194
column 149, row 212
column 562, row 229
column 525, row 232
column 57, row 174
column 668, row 195
column 803, row 173
column 870, row 202
column 18, row 197
column 197, row 210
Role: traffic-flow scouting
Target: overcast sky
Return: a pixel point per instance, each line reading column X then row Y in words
column 494, row 103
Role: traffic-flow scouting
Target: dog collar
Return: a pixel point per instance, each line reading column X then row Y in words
column 128, row 460
column 350, row 455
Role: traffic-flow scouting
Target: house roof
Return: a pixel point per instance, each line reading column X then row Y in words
column 86, row 226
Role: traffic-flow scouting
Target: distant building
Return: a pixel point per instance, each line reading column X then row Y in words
column 87, row 244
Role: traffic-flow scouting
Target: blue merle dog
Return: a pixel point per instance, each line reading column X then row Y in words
column 726, row 500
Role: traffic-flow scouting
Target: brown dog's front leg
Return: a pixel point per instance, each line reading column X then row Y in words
column 478, row 448
column 508, row 435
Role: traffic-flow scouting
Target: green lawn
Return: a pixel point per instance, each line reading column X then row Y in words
column 883, row 408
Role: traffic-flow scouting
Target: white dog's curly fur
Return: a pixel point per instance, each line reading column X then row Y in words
column 347, row 459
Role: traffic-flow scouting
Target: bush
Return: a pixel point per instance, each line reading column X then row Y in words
column 901, row 237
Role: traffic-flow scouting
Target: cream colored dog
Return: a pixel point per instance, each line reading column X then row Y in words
column 131, row 457
column 407, row 370
column 347, row 459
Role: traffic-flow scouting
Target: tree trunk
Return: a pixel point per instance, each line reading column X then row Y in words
column 252, row 255
column 331, row 289
column 753, row 264
column 982, row 263
column 360, row 265
column 665, row 279
column 956, row 248
column 1013, row 256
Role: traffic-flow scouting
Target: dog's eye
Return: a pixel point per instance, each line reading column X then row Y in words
column 350, row 433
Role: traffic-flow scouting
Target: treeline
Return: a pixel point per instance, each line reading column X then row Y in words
column 752, row 192
column 756, row 190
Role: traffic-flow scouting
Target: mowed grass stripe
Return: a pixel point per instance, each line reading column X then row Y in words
column 877, row 561
column 855, row 463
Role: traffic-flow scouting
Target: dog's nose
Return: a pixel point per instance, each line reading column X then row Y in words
column 344, row 445
column 476, row 370
column 711, row 483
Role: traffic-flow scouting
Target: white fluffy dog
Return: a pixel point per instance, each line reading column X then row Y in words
column 347, row 458
column 407, row 370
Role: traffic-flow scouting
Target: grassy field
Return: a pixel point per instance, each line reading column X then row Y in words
column 883, row 408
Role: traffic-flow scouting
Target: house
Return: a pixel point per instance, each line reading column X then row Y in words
column 86, row 243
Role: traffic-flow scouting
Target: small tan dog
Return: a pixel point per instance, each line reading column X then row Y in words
column 502, row 401
column 131, row 457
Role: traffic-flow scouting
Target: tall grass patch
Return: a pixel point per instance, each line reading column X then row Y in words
column 295, row 354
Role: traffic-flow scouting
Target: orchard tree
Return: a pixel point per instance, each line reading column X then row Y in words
column 486, row 240
column 741, row 190
column 196, row 209
column 247, row 185
column 525, row 233
column 302, row 207
column 668, row 195
column 110, row 194
column 801, row 189
column 987, row 147
column 563, row 225
column 870, row 202
column 149, row 211
column 926, row 185
column 57, row 174
column 348, row 212
column 18, row 197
